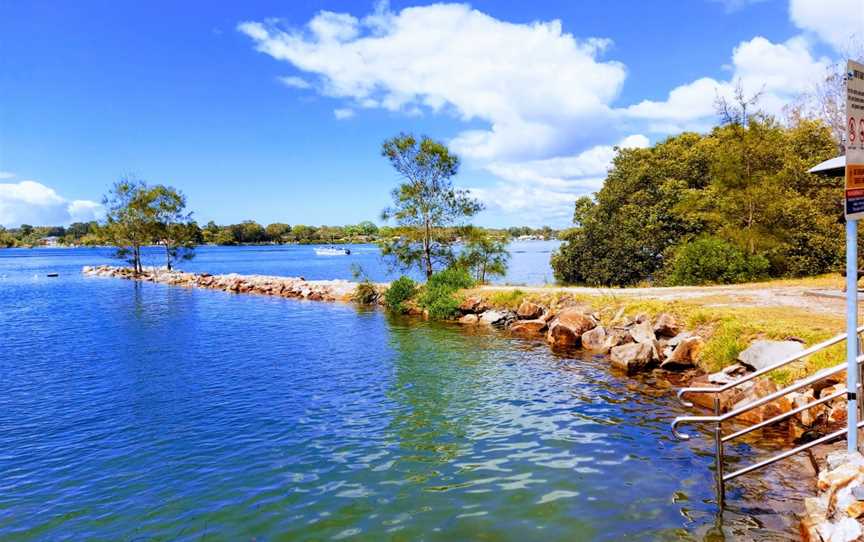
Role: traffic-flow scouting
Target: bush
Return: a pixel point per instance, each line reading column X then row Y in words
column 401, row 290
column 366, row 293
column 439, row 297
column 710, row 260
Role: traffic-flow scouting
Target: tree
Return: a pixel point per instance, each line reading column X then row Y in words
column 484, row 255
column 174, row 228
column 130, row 219
column 424, row 203
column 276, row 232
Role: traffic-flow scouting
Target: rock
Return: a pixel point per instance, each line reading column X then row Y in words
column 762, row 353
column 674, row 341
column 643, row 332
column 754, row 390
column 596, row 340
column 631, row 358
column 469, row 319
column 845, row 530
column 666, row 325
column 856, row 509
column 496, row 318
column 473, row 304
column 858, row 492
column 529, row 311
column 728, row 374
column 528, row 327
column 684, row 355
column 809, row 416
column 567, row 328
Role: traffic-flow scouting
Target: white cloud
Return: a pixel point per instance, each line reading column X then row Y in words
column 840, row 23
column 782, row 71
column 343, row 113
column 30, row 202
column 530, row 82
column 294, row 82
column 7, row 175
column 549, row 186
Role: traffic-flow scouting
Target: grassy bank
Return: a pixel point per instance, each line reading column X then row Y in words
column 727, row 326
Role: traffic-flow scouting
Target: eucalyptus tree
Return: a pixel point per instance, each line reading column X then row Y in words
column 130, row 219
column 425, row 203
column 174, row 229
column 484, row 255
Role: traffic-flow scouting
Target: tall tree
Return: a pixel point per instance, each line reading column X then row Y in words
column 130, row 220
column 424, row 203
column 175, row 229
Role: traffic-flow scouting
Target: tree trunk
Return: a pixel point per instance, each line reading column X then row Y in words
column 427, row 250
column 167, row 257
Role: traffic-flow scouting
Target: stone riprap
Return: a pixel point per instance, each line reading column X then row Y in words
column 290, row 287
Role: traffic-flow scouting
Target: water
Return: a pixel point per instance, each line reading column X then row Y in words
column 529, row 261
column 133, row 411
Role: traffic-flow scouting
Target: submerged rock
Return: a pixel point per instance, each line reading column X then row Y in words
column 469, row 319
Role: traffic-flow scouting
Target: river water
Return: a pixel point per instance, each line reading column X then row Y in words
column 139, row 411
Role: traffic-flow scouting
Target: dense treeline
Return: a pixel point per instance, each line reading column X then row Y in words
column 246, row 232
column 732, row 205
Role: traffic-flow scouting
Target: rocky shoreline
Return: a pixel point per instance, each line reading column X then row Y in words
column 632, row 345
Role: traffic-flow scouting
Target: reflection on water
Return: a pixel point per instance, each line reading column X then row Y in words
column 142, row 411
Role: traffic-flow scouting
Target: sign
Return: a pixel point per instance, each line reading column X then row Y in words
column 854, row 140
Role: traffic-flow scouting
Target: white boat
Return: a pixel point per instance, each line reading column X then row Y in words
column 332, row 251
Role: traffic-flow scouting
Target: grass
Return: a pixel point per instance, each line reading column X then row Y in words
column 727, row 330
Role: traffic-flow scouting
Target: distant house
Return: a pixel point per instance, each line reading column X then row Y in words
column 50, row 241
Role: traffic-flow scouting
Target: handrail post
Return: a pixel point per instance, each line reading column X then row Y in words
column 718, row 455
column 852, row 369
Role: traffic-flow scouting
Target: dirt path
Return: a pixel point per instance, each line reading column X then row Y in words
column 821, row 296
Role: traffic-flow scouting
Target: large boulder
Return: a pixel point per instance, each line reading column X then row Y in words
column 567, row 328
column 529, row 311
column 666, row 325
column 685, row 354
column 643, row 332
column 496, row 318
column 528, row 327
column 632, row 358
column 762, row 353
column 595, row 340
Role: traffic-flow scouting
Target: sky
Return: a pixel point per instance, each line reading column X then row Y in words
column 276, row 111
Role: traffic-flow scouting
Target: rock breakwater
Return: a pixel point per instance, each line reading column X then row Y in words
column 289, row 287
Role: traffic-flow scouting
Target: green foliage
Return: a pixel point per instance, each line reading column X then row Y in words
column 745, row 184
column 439, row 293
column 483, row 255
column 366, row 292
column 424, row 204
column 710, row 260
column 400, row 291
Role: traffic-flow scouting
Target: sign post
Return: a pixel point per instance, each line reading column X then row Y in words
column 854, row 210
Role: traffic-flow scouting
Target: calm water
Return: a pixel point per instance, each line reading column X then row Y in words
column 147, row 412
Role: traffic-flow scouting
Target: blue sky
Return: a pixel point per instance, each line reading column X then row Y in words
column 275, row 111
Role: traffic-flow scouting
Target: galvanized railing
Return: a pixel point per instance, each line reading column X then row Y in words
column 718, row 418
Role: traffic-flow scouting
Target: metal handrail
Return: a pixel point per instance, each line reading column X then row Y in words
column 720, row 418
column 791, row 359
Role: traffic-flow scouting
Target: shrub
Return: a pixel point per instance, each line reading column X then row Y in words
column 366, row 293
column 401, row 290
column 439, row 294
column 710, row 260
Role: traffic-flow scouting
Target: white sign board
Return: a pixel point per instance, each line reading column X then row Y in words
column 854, row 140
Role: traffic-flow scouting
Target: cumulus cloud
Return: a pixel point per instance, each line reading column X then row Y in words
column 541, row 102
column 840, row 23
column 529, row 82
column 6, row 175
column 548, row 187
column 781, row 71
column 30, row 202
